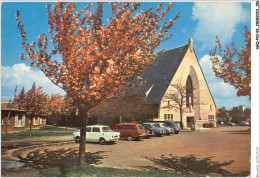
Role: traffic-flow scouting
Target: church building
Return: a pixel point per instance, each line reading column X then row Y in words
column 179, row 67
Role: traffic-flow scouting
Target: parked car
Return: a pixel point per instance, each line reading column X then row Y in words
column 174, row 125
column 98, row 133
column 231, row 124
column 169, row 130
column 244, row 123
column 159, row 131
column 150, row 132
column 130, row 131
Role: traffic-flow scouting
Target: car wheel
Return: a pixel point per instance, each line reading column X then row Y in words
column 158, row 135
column 102, row 141
column 77, row 139
column 130, row 138
column 177, row 132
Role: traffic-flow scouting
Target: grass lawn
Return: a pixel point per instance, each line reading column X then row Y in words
column 48, row 130
column 92, row 171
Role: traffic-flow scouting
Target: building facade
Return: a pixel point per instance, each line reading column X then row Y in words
column 179, row 67
column 13, row 120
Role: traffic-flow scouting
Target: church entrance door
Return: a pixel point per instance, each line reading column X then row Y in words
column 190, row 122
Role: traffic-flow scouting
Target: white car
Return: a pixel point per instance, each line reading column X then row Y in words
column 244, row 123
column 98, row 133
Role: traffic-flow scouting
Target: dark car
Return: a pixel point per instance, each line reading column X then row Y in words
column 174, row 125
column 231, row 124
column 150, row 132
column 169, row 130
column 155, row 128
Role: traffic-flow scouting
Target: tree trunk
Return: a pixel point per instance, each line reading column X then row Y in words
column 6, row 123
column 55, row 120
column 181, row 119
column 31, row 118
column 82, row 144
column 120, row 118
column 66, row 122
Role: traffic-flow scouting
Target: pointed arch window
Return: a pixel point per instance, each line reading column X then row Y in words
column 189, row 92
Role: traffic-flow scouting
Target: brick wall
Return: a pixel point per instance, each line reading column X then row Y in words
column 18, row 121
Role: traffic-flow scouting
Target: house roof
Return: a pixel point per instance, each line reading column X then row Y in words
column 159, row 74
column 12, row 109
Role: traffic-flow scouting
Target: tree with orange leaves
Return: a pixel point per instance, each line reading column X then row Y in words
column 98, row 59
column 59, row 105
column 234, row 66
column 34, row 102
column 55, row 106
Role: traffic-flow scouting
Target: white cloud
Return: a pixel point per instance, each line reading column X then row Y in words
column 217, row 19
column 24, row 76
column 206, row 65
column 223, row 93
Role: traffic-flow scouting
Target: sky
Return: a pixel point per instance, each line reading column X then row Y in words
column 200, row 20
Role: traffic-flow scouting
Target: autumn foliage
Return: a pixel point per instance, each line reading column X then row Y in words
column 59, row 105
column 233, row 65
column 98, row 58
column 34, row 102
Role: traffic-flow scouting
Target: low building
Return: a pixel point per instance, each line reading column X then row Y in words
column 13, row 120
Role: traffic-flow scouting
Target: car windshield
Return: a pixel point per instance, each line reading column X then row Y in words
column 164, row 125
column 140, row 127
column 106, row 129
column 147, row 125
column 156, row 125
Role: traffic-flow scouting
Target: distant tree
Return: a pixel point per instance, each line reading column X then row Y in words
column 98, row 59
column 247, row 113
column 15, row 91
column 22, row 93
column 10, row 104
column 135, row 105
column 236, row 115
column 55, row 104
column 34, row 103
column 34, row 86
column 59, row 105
column 223, row 113
column 179, row 98
column 233, row 65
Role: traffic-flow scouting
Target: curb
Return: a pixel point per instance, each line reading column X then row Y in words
column 12, row 153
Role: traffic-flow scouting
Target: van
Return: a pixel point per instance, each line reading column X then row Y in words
column 130, row 131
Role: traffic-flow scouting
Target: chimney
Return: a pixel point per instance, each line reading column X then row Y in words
column 190, row 44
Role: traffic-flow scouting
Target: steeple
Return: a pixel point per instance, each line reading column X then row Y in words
column 190, row 44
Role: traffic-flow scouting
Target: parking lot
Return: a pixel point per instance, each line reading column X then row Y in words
column 219, row 151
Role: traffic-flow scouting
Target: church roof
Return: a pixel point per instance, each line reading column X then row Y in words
column 159, row 74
